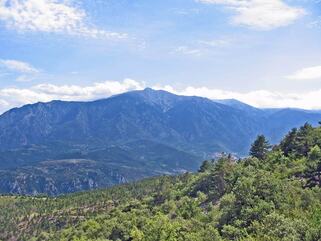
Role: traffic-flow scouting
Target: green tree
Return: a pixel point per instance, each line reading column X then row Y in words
column 206, row 166
column 260, row 147
column 314, row 167
column 315, row 156
column 288, row 144
column 304, row 140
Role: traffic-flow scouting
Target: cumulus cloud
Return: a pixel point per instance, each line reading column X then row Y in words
column 15, row 97
column 57, row 16
column 260, row 14
column 18, row 66
column 258, row 98
column 95, row 91
column 309, row 73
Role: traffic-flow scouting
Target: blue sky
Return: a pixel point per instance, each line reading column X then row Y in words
column 264, row 52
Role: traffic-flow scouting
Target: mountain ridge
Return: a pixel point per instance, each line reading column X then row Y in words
column 148, row 131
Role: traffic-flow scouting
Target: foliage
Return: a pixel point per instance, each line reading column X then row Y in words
column 275, row 198
column 260, row 147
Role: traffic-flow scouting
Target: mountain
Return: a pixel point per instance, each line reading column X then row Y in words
column 274, row 198
column 241, row 106
column 140, row 115
column 127, row 137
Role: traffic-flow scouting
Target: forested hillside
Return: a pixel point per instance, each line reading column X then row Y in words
column 275, row 194
column 62, row 147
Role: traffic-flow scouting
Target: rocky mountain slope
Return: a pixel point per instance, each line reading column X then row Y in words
column 131, row 135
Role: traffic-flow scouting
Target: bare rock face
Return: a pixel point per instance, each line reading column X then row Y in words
column 57, row 177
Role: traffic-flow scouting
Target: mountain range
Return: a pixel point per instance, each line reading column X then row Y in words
column 61, row 147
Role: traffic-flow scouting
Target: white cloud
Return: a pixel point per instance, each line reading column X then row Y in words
column 258, row 98
column 309, row 73
column 315, row 23
column 95, row 91
column 260, row 14
column 216, row 42
column 57, row 16
column 204, row 47
column 185, row 50
column 186, row 11
column 21, row 71
column 18, row 66
column 13, row 97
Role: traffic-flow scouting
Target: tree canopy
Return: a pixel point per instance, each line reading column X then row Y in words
column 260, row 147
column 249, row 199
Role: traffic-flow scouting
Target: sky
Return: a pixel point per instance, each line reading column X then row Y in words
column 266, row 53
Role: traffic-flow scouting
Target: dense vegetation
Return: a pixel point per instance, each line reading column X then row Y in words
column 273, row 195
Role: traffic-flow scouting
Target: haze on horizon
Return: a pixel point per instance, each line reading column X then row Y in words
column 266, row 53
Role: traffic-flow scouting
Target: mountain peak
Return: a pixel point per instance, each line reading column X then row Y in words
column 148, row 89
column 152, row 91
column 161, row 98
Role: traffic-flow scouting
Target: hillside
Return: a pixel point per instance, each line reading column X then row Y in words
column 276, row 197
column 127, row 137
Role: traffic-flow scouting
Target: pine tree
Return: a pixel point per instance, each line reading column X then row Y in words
column 303, row 141
column 260, row 147
column 289, row 144
column 206, row 166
